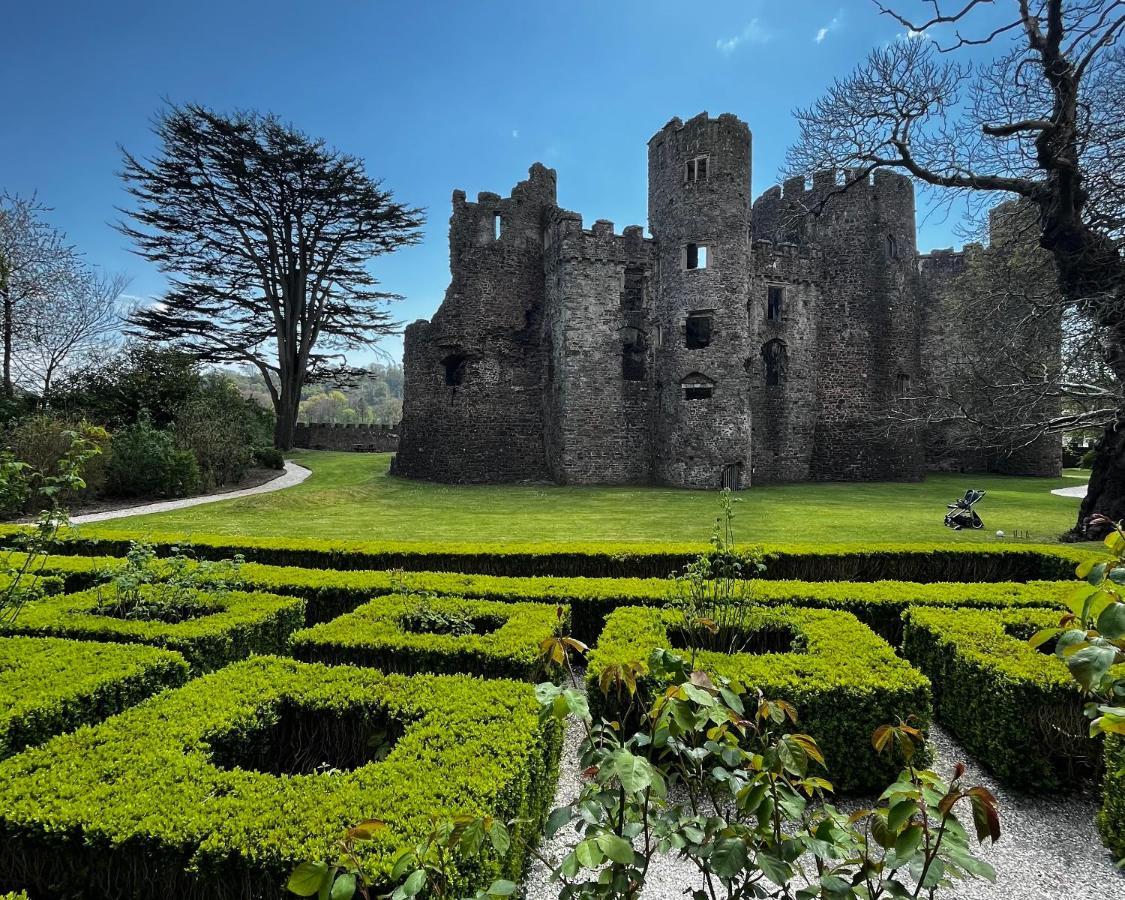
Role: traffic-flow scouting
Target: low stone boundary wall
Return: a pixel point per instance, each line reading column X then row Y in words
column 355, row 438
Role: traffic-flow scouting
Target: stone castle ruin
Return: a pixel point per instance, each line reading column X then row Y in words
column 741, row 343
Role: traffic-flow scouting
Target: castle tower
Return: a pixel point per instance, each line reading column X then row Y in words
column 867, row 317
column 699, row 213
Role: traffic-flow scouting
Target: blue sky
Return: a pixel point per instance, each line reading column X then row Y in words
column 433, row 95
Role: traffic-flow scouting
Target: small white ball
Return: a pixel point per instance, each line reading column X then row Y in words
column 999, row 534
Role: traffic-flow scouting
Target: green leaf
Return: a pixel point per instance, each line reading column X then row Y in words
column 1111, row 623
column 589, row 854
column 728, row 858
column 1089, row 665
column 499, row 837
column 634, row 772
column 343, row 888
column 776, row 870
column 502, row 888
column 557, row 819
column 900, row 813
column 414, row 883
column 307, row 878
column 616, row 848
column 908, row 842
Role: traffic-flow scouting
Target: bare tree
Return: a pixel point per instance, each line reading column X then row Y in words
column 78, row 318
column 1043, row 120
column 35, row 261
column 268, row 235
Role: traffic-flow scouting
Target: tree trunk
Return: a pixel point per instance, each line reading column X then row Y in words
column 1105, row 494
column 286, row 411
column 8, row 326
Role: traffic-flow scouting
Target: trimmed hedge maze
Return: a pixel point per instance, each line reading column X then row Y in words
column 48, row 686
column 1014, row 707
column 442, row 635
column 220, row 788
column 844, row 680
column 219, row 629
column 814, row 562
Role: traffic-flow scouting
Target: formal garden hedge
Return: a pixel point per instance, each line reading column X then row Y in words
column 813, row 562
column 1111, row 817
column 1014, row 707
column 220, row 788
column 220, row 628
column 331, row 593
column 844, row 680
column 412, row 633
column 48, row 685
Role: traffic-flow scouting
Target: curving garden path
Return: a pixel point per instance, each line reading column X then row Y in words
column 293, row 475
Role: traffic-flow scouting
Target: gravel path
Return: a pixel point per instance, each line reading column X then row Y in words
column 293, row 475
column 1049, row 848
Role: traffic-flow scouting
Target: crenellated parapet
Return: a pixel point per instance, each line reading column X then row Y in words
column 496, row 222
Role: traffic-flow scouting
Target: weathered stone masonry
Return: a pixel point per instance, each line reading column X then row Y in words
column 739, row 344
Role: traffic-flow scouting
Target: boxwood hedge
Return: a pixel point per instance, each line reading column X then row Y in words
column 235, row 624
column 48, row 685
column 1111, row 817
column 807, row 562
column 331, row 593
column 397, row 634
column 220, row 788
column 844, row 680
column 1015, row 708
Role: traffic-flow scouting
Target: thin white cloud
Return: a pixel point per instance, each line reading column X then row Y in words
column 833, row 25
column 515, row 132
column 753, row 33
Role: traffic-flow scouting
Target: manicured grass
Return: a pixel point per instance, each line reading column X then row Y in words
column 351, row 497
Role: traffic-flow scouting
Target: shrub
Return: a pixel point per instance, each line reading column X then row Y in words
column 211, row 630
column 420, row 634
column 220, row 427
column 43, row 443
column 146, row 462
column 48, row 686
column 269, row 458
column 1111, row 817
column 190, row 794
column 1013, row 707
column 815, row 562
column 331, row 593
column 844, row 679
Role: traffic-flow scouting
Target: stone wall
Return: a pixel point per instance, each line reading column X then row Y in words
column 474, row 374
column 364, row 438
column 979, row 337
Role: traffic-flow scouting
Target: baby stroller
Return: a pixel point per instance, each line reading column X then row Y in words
column 961, row 513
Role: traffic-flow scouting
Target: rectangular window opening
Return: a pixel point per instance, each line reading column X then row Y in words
column 775, row 296
column 697, row 331
column 496, row 226
column 696, row 170
column 695, row 256
column 698, row 392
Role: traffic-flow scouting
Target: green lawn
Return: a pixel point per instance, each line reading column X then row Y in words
column 350, row 497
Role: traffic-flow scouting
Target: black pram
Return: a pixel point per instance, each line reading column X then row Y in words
column 961, row 513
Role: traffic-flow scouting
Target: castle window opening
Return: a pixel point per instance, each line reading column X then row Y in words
column 902, row 385
column 697, row 331
column 695, row 256
column 696, row 170
column 632, row 354
column 892, row 247
column 775, row 295
column 697, row 387
column 455, row 365
column 496, row 226
column 775, row 356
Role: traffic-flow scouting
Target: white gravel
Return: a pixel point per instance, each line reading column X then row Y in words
column 1049, row 848
column 293, row 475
